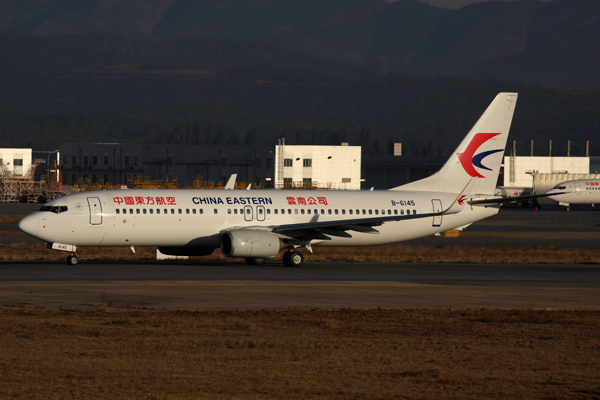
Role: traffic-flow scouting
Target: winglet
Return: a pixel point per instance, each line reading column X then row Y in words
column 231, row 182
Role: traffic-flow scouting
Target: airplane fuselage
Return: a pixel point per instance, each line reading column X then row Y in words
column 582, row 191
column 168, row 217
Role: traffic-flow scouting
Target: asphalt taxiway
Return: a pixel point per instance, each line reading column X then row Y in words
column 233, row 285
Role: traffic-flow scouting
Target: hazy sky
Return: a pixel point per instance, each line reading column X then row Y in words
column 454, row 4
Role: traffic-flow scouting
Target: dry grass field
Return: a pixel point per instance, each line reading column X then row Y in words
column 303, row 354
column 300, row 354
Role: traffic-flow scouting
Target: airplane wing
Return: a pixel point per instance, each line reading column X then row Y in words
column 335, row 228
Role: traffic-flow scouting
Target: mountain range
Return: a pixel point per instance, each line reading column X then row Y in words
column 553, row 44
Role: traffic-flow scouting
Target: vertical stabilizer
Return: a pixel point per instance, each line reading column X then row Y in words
column 478, row 156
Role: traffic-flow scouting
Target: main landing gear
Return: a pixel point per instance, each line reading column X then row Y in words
column 72, row 259
column 255, row 261
column 293, row 259
column 290, row 259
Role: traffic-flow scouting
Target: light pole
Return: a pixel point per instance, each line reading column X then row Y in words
column 48, row 165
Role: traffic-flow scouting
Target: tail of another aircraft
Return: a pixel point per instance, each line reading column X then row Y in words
column 478, row 156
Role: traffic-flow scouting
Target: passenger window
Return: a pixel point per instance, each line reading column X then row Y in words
column 131, row 211
column 268, row 211
column 179, row 210
column 158, row 210
column 350, row 211
column 302, row 211
column 172, row 211
column 201, row 211
column 414, row 212
column 343, row 212
column 289, row 211
column 144, row 211
column 229, row 211
column 118, row 211
column 275, row 211
column 336, row 212
column 216, row 211
column 194, row 211
column 137, row 210
column 376, row 212
column 329, row 211
column 296, row 211
column 308, row 211
column 322, row 211
column 235, row 210
column 247, row 211
column 364, row 212
column 260, row 211
column 187, row 210
column 151, row 211
column 401, row 212
column 389, row 212
column 395, row 212
column 370, row 212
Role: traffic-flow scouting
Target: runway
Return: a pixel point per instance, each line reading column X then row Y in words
column 117, row 286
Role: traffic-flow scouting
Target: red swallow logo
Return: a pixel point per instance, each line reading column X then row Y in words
column 469, row 160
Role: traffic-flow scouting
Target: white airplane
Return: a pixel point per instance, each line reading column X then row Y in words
column 258, row 224
column 581, row 191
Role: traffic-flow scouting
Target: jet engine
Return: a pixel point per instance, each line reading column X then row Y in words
column 249, row 243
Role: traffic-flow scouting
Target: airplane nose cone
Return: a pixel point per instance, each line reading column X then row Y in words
column 30, row 224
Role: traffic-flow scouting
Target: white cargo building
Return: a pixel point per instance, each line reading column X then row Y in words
column 325, row 167
column 519, row 171
column 15, row 162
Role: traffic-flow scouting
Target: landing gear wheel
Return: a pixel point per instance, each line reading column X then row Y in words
column 72, row 259
column 293, row 259
column 255, row 261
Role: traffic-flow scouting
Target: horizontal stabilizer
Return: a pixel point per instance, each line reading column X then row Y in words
column 504, row 200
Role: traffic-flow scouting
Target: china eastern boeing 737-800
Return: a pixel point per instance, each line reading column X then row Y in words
column 258, row 224
column 581, row 191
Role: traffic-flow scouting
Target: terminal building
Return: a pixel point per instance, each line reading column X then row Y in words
column 326, row 167
column 116, row 162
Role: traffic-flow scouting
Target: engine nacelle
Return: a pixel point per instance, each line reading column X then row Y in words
column 249, row 243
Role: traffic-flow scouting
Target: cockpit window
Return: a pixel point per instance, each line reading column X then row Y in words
column 54, row 209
